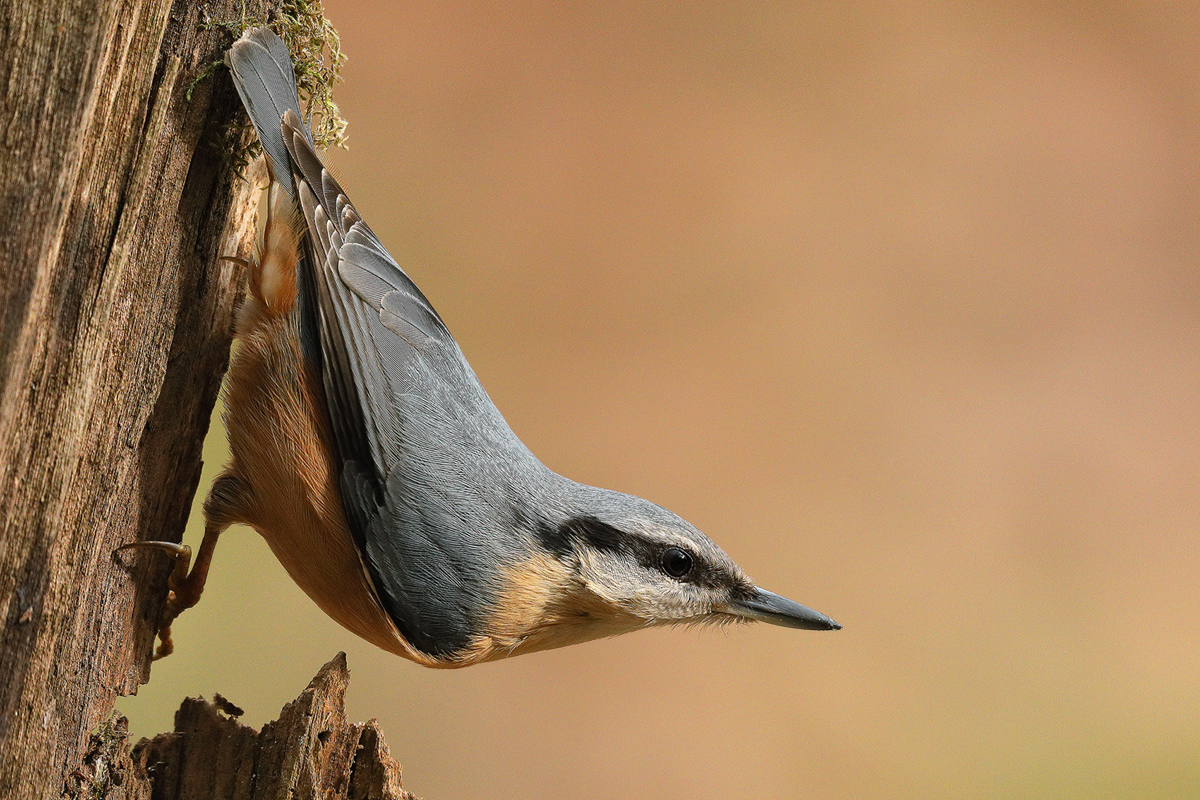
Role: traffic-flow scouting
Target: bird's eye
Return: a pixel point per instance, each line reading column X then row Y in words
column 676, row 563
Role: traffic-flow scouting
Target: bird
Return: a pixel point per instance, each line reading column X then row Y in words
column 366, row 452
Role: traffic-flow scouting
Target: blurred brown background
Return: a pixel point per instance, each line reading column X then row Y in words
column 899, row 303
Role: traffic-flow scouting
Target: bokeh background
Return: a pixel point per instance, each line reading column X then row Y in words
column 899, row 302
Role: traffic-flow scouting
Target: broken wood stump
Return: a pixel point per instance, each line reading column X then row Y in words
column 311, row 751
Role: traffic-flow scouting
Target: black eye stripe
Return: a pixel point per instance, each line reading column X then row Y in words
column 597, row 535
column 606, row 539
column 562, row 540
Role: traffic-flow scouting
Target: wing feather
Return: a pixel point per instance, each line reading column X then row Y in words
column 427, row 462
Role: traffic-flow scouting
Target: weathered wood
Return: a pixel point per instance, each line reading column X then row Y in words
column 115, row 321
column 108, row 770
column 311, row 751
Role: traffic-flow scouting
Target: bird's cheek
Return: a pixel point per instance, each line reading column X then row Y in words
column 610, row 589
column 691, row 604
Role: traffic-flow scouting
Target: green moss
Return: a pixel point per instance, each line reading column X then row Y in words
column 317, row 58
column 106, row 764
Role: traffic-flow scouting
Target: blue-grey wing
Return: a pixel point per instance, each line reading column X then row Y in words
column 408, row 414
column 375, row 326
column 426, row 461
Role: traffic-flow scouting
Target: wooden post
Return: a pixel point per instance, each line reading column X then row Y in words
column 116, row 199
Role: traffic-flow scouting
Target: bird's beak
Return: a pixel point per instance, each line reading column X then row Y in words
column 769, row 607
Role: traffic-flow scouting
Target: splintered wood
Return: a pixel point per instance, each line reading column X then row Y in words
column 311, row 751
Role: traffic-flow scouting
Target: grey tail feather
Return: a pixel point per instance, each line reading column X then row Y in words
column 265, row 80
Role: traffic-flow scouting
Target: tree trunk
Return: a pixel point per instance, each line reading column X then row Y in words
column 115, row 322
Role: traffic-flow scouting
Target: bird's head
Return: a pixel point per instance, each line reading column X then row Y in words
column 625, row 563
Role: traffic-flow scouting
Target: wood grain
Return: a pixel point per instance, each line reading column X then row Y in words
column 115, row 317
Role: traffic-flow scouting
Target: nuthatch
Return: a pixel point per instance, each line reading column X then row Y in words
column 368, row 455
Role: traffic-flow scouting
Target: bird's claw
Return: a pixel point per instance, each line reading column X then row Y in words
column 184, row 588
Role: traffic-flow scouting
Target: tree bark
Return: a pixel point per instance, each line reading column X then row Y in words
column 116, row 198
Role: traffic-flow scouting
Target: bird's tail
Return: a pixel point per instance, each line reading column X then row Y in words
column 265, row 80
column 278, row 278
